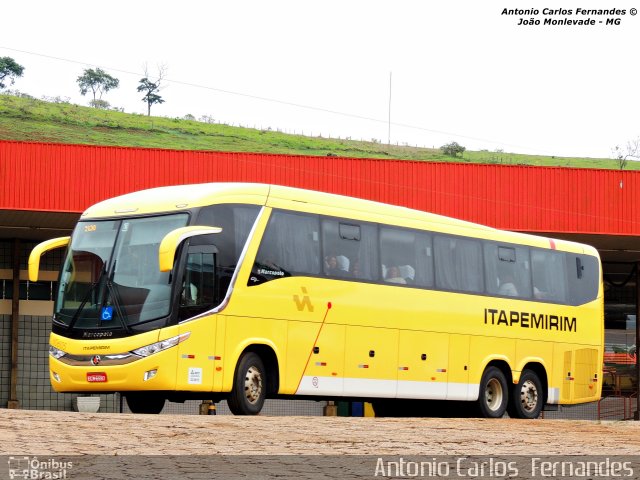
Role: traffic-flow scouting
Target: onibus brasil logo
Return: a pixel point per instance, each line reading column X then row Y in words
column 34, row 469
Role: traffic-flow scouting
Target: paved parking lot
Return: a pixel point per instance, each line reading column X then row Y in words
column 66, row 433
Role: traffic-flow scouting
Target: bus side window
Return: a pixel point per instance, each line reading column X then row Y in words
column 583, row 274
column 458, row 264
column 549, row 275
column 350, row 249
column 198, row 285
column 409, row 252
column 290, row 246
column 507, row 270
column 236, row 222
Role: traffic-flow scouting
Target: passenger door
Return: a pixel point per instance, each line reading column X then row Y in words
column 197, row 354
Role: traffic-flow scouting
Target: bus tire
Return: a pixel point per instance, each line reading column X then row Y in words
column 526, row 400
column 249, row 386
column 142, row 402
column 494, row 394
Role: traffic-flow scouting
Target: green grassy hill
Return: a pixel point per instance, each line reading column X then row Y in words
column 34, row 120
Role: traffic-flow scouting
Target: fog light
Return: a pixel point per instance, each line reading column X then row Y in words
column 150, row 374
column 56, row 377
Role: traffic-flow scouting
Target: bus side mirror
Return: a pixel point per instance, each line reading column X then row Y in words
column 36, row 253
column 173, row 239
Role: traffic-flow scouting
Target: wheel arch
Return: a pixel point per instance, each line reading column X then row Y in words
column 539, row 369
column 267, row 354
column 501, row 362
column 492, row 401
column 504, row 367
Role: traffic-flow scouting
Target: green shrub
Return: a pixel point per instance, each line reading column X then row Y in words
column 452, row 149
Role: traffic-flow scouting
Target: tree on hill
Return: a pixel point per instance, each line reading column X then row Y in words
column 151, row 89
column 631, row 150
column 452, row 149
column 9, row 71
column 98, row 82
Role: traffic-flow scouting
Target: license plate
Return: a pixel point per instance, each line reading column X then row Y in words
column 96, row 377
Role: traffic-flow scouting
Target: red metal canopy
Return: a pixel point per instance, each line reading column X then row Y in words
column 69, row 178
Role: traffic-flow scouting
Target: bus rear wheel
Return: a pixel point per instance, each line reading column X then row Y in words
column 141, row 402
column 249, row 386
column 494, row 395
column 526, row 397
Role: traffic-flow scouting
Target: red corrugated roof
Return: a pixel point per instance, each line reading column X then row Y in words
column 69, row 178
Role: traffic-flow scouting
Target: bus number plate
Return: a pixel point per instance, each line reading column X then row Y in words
column 96, row 377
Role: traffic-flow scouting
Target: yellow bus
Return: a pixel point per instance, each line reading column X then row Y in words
column 248, row 291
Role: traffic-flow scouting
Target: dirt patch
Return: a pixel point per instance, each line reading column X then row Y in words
column 56, row 433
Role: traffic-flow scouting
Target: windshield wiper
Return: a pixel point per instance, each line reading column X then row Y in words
column 85, row 299
column 114, row 295
column 115, row 298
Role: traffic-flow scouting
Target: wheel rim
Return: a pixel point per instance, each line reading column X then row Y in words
column 253, row 385
column 529, row 396
column 493, row 395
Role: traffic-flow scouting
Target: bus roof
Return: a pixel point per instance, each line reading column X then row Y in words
column 185, row 197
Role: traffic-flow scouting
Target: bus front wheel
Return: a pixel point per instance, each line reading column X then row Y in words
column 526, row 397
column 249, row 386
column 141, row 402
column 493, row 393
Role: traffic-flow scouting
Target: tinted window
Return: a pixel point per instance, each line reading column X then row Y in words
column 39, row 290
column 290, row 246
column 236, row 222
column 292, row 243
column 507, row 270
column 350, row 249
column 198, row 285
column 28, row 290
column 458, row 264
column 406, row 256
column 584, row 276
column 549, row 275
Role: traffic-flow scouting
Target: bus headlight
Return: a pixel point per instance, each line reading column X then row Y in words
column 160, row 346
column 56, row 352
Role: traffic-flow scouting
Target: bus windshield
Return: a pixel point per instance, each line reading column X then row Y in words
column 111, row 277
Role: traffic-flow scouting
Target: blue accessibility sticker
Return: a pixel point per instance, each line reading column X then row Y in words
column 106, row 314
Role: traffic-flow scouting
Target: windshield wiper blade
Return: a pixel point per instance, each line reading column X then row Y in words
column 114, row 295
column 84, row 301
column 115, row 298
column 86, row 297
